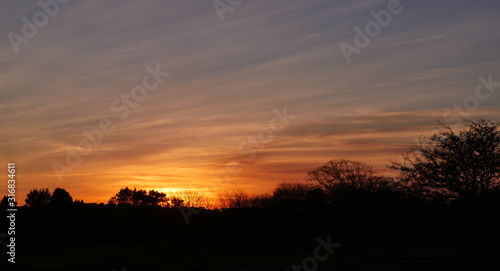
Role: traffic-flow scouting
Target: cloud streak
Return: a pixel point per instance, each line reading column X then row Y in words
column 225, row 78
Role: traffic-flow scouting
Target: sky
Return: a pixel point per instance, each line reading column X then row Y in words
column 205, row 94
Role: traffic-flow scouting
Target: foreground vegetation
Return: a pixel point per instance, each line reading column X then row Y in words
column 444, row 205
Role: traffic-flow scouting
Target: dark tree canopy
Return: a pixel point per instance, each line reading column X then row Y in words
column 124, row 196
column 175, row 202
column 139, row 197
column 60, row 198
column 156, row 198
column 449, row 166
column 342, row 177
column 37, row 198
column 4, row 204
column 291, row 191
column 296, row 196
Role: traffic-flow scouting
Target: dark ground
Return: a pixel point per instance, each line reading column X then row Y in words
column 384, row 234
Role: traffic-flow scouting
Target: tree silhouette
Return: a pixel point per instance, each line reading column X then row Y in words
column 175, row 202
column 156, row 198
column 234, row 198
column 263, row 201
column 4, row 204
column 60, row 198
column 341, row 177
column 291, row 191
column 124, row 196
column 139, row 197
column 37, row 198
column 450, row 166
column 291, row 195
column 194, row 199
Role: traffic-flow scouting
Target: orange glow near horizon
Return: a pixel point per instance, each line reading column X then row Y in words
column 286, row 158
column 174, row 100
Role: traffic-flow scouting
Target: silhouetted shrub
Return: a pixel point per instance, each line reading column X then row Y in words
column 60, row 198
column 38, row 198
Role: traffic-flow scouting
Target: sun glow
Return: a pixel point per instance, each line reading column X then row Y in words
column 192, row 197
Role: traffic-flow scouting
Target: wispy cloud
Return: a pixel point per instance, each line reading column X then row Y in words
column 225, row 78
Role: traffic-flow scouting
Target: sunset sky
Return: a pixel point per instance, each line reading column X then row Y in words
column 228, row 76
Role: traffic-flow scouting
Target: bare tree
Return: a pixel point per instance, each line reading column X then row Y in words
column 449, row 166
column 261, row 201
column 291, row 191
column 195, row 199
column 341, row 177
column 296, row 196
column 234, row 198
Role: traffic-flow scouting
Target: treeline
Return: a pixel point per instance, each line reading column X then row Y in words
column 447, row 194
column 59, row 198
column 446, row 168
